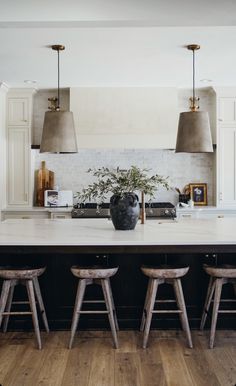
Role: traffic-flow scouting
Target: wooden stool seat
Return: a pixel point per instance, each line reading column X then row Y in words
column 20, row 273
column 28, row 277
column 219, row 275
column 226, row 271
column 157, row 276
column 164, row 272
column 95, row 272
column 94, row 275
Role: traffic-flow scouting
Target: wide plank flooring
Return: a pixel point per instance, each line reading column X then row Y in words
column 93, row 361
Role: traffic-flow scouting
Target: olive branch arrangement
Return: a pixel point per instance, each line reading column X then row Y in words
column 120, row 182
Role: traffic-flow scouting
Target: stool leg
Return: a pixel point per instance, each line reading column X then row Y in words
column 210, row 292
column 149, row 308
column 107, row 296
column 8, row 307
column 218, row 289
column 113, row 305
column 77, row 308
column 145, row 306
column 30, row 290
column 181, row 304
column 40, row 303
column 4, row 296
column 234, row 284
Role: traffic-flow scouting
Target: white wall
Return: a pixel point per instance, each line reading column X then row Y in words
column 70, row 169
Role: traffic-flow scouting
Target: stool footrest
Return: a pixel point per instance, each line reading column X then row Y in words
column 167, row 312
column 165, row 301
column 17, row 313
column 93, row 312
column 94, row 301
column 226, row 311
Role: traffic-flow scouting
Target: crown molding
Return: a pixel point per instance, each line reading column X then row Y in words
column 4, row 87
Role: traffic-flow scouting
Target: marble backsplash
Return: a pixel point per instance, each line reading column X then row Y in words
column 71, row 169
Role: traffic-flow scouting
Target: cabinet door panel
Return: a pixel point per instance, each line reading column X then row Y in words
column 227, row 160
column 18, row 111
column 18, row 166
column 227, row 110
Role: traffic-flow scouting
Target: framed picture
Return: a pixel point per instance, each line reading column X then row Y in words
column 198, row 193
column 51, row 198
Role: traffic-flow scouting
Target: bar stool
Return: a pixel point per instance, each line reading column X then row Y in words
column 28, row 277
column 157, row 276
column 94, row 275
column 219, row 275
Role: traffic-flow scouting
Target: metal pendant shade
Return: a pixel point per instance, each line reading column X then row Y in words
column 59, row 134
column 194, row 133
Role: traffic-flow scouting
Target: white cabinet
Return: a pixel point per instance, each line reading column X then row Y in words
column 61, row 215
column 19, row 109
column 25, row 215
column 227, row 110
column 227, row 166
column 226, row 152
column 18, row 166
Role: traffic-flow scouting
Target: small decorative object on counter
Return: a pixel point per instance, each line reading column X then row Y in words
column 123, row 184
column 184, row 196
column 198, row 193
column 45, row 181
column 190, row 203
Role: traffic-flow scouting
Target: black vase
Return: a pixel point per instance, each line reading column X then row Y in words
column 124, row 211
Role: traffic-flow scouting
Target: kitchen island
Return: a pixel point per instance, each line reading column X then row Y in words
column 59, row 244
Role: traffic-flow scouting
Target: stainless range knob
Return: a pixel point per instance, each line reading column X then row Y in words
column 167, row 212
column 81, row 212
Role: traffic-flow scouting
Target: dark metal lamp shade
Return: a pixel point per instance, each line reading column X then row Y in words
column 194, row 134
column 58, row 133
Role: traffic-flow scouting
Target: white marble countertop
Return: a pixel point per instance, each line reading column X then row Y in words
column 92, row 232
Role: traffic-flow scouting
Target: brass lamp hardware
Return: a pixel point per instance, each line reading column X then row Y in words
column 194, row 135
column 58, row 129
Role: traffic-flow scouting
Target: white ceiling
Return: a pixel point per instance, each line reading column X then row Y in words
column 117, row 43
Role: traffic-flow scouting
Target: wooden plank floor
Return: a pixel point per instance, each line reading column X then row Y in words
column 93, row 361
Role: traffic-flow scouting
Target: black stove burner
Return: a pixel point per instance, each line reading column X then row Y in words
column 159, row 205
column 152, row 209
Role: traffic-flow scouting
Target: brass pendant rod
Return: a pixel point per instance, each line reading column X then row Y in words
column 58, row 81
column 193, row 78
column 58, row 48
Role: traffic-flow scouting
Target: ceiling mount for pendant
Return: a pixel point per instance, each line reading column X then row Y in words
column 58, row 130
column 194, row 135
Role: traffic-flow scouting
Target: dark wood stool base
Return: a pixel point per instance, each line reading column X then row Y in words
column 29, row 278
column 100, row 276
column 158, row 276
column 219, row 275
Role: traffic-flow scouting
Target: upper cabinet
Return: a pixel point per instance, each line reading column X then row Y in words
column 226, row 150
column 125, row 117
column 227, row 110
column 19, row 111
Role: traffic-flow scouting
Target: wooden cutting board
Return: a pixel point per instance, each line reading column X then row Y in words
column 44, row 181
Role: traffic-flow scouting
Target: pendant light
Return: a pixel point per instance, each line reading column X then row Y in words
column 194, row 134
column 58, row 129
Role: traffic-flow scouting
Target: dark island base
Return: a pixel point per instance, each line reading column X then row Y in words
column 58, row 288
